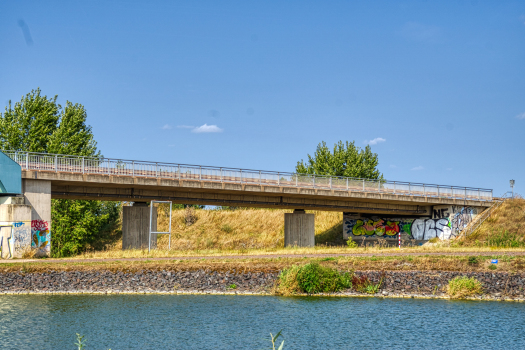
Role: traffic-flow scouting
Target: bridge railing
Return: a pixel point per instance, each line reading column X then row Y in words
column 134, row 168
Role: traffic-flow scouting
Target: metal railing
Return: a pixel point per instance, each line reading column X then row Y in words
column 134, row 168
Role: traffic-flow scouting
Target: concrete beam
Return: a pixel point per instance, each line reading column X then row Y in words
column 299, row 229
column 37, row 194
column 136, row 226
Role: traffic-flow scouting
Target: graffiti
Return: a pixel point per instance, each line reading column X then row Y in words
column 461, row 217
column 375, row 227
column 21, row 239
column 5, row 242
column 446, row 222
column 40, row 235
column 425, row 229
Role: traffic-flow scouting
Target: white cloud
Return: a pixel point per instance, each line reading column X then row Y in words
column 449, row 169
column 185, row 126
column 166, row 127
column 393, row 166
column 417, row 168
column 521, row 116
column 207, row 128
column 375, row 141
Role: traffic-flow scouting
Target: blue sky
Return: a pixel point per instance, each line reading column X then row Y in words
column 436, row 87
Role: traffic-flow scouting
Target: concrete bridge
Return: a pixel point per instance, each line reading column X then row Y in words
column 46, row 176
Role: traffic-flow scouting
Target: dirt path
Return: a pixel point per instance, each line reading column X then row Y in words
column 264, row 256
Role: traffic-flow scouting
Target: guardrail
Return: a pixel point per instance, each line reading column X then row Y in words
column 134, row 168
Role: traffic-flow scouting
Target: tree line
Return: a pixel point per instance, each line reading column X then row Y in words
column 40, row 124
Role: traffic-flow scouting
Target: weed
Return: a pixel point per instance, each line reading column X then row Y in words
column 311, row 278
column 227, row 228
column 232, row 286
column 493, row 267
column 81, row 342
column 327, row 259
column 433, row 240
column 274, row 339
column 364, row 285
column 351, row 243
column 462, row 286
column 473, row 260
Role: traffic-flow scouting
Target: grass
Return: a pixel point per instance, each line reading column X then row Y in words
column 511, row 264
column 311, row 278
column 462, row 286
column 505, row 228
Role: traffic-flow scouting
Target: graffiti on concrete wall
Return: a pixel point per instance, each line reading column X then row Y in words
column 5, row 242
column 21, row 238
column 461, row 217
column 446, row 222
column 40, row 236
column 376, row 226
column 425, row 229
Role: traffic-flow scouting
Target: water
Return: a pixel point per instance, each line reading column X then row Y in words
column 244, row 322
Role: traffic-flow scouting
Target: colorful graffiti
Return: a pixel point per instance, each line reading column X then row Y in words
column 40, row 236
column 376, row 226
column 446, row 222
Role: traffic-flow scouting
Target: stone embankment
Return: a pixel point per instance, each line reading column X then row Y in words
column 500, row 286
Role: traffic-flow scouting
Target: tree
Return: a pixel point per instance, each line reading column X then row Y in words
column 345, row 160
column 39, row 124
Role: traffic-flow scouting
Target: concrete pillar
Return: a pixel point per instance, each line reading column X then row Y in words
column 299, row 229
column 37, row 194
column 135, row 226
column 15, row 227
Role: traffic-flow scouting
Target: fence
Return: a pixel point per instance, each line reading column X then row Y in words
column 134, row 168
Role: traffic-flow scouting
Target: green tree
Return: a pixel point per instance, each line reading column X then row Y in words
column 39, row 124
column 345, row 160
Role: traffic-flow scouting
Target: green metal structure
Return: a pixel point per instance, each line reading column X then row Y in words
column 10, row 176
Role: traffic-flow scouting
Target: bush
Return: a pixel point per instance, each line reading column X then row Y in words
column 351, row 243
column 473, row 260
column 462, row 286
column 364, row 285
column 312, row 278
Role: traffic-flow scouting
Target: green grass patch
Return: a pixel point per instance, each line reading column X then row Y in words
column 462, row 286
column 312, row 278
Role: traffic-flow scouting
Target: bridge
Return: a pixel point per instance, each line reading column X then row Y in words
column 45, row 176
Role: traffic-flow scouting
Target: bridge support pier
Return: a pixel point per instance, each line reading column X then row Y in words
column 37, row 194
column 135, row 226
column 299, row 229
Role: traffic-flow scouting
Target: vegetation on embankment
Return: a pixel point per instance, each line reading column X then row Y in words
column 241, row 229
column 505, row 228
column 481, row 263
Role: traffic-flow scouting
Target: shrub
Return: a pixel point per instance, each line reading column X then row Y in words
column 462, row 286
column 473, row 260
column 351, row 243
column 364, row 285
column 226, row 228
column 493, row 267
column 312, row 278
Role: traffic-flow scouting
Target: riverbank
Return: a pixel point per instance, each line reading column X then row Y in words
column 394, row 284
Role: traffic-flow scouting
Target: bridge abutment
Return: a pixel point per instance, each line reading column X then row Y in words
column 299, row 229
column 37, row 194
column 135, row 226
column 15, row 227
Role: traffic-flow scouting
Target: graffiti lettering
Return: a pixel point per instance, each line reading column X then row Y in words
column 40, row 235
column 376, row 227
column 425, row 229
column 18, row 224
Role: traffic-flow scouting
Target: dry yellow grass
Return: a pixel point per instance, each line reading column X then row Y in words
column 240, row 229
column 504, row 228
column 261, row 232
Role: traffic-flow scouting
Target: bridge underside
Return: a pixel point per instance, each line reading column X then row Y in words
column 137, row 189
